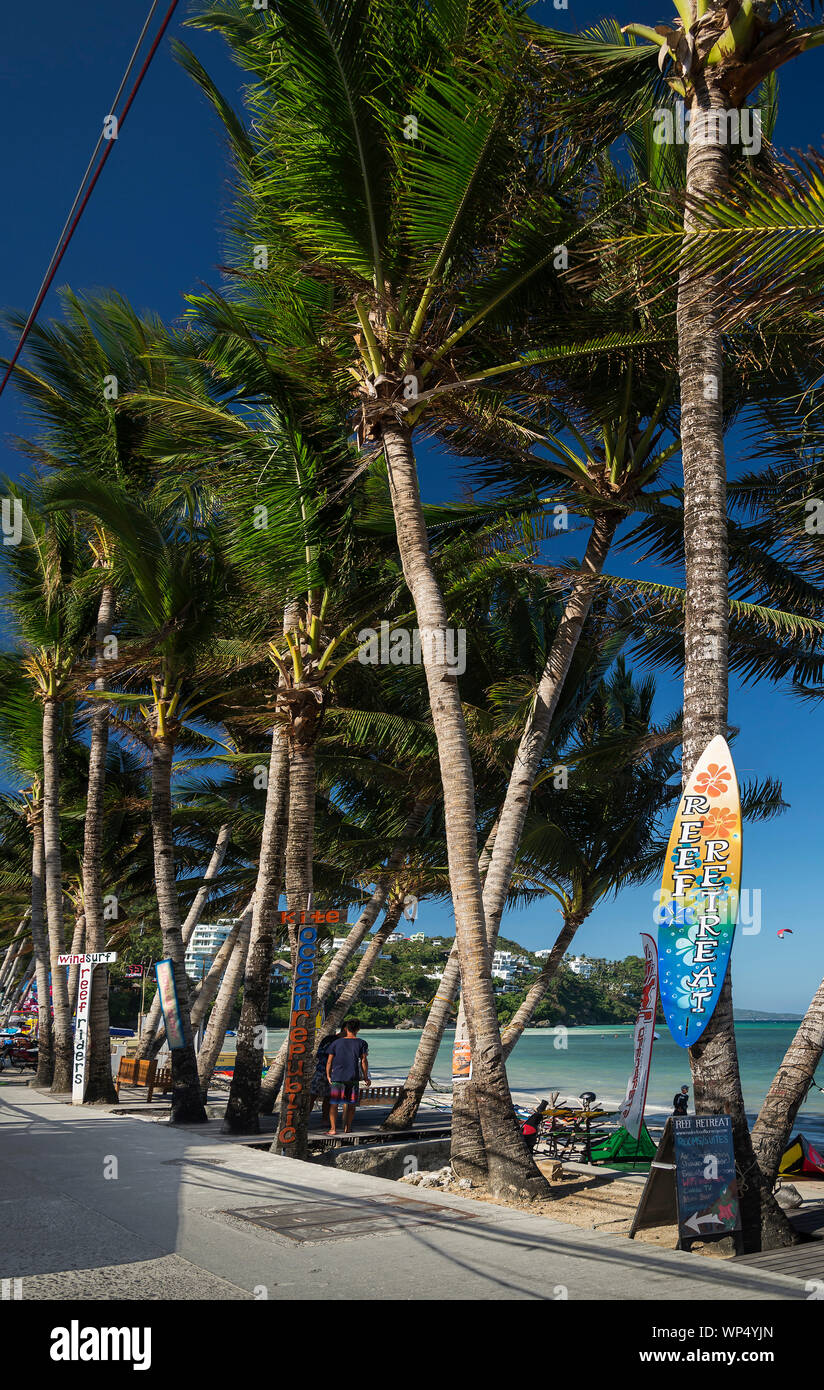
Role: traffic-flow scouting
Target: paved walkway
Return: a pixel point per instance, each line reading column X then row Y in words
column 97, row 1206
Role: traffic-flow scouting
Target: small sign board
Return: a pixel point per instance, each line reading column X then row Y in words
column 692, row 1180
column 705, row 1178
column 90, row 958
column 461, row 1061
column 169, row 1003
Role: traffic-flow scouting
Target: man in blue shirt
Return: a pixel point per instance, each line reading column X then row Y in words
column 345, row 1065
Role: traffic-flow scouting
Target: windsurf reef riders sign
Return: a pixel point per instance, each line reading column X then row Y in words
column 87, row 962
column 699, row 894
column 632, row 1110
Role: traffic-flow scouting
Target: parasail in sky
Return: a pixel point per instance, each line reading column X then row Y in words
column 785, row 931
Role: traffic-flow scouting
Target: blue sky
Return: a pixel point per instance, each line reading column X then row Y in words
column 153, row 231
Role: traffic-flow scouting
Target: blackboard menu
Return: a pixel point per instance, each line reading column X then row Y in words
column 705, row 1179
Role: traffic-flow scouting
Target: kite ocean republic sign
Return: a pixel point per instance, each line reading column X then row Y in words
column 699, row 894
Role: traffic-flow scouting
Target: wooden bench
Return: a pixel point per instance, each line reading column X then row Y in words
column 379, row 1095
column 132, row 1072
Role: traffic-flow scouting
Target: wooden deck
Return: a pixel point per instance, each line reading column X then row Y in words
column 805, row 1262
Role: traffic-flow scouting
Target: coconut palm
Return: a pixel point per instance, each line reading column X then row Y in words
column 21, row 739
column 715, row 59
column 180, row 595
column 74, row 375
column 51, row 602
column 422, row 297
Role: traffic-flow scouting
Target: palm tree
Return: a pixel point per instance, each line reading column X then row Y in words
column 235, row 956
column 180, row 595
column 18, row 941
column 76, row 371
column 718, row 59
column 779, row 501
column 50, row 605
column 522, row 624
column 408, row 304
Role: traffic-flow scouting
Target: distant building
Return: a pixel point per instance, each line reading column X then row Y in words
column 509, row 970
column 396, row 936
column 579, row 965
column 419, row 936
column 339, row 941
column 204, row 944
column 544, row 954
column 377, row 996
column 434, row 975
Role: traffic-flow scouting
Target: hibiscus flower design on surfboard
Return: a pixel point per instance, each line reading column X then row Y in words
column 699, row 894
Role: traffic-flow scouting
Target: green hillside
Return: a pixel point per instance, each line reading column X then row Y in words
column 611, row 993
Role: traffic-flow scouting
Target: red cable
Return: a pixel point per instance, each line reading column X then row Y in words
column 98, row 171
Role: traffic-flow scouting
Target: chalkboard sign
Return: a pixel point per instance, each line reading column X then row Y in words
column 705, row 1181
column 692, row 1181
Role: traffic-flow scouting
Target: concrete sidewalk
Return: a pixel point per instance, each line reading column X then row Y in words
column 96, row 1206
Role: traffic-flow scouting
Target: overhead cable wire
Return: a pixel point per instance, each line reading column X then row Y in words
column 76, row 212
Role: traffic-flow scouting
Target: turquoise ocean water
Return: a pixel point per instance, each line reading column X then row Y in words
column 599, row 1059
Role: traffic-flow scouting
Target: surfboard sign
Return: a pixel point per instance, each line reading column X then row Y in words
column 699, row 894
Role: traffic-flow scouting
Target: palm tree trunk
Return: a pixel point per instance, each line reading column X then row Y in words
column 12, row 952
column 503, row 843
column 12, row 972
column 440, row 1011
column 100, row 1086
column 273, row 1079
column 510, row 1165
column 531, row 749
column 16, row 996
column 40, row 949
column 206, row 990
column 187, row 1105
column 153, row 1031
column 63, row 1050
column 437, row 1020
column 788, row 1091
column 21, row 987
column 354, row 985
column 522, row 779
column 244, row 1095
column 225, row 1002
column 299, row 866
column 521, row 1018
column 78, row 939
column 714, row 1058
